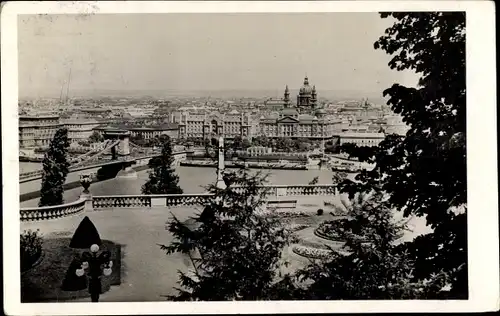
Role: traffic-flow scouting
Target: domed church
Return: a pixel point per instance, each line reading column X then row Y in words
column 302, row 120
column 307, row 98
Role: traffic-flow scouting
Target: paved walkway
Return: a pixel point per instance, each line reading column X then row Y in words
column 147, row 272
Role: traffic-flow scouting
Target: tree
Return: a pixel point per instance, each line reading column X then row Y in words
column 138, row 139
column 284, row 144
column 156, row 141
column 55, row 170
column 332, row 146
column 314, row 181
column 370, row 265
column 245, row 143
column 235, row 251
column 96, row 137
column 302, row 146
column 261, row 140
column 210, row 148
column 237, row 143
column 425, row 171
column 339, row 177
column 83, row 142
column 162, row 177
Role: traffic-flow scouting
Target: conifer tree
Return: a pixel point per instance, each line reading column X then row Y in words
column 162, row 176
column 235, row 249
column 55, row 170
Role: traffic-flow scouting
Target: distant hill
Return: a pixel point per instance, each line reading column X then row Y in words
column 275, row 93
column 333, row 95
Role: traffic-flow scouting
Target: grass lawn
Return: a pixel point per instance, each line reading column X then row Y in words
column 43, row 282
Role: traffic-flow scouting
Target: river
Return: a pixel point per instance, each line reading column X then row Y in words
column 29, row 166
column 191, row 180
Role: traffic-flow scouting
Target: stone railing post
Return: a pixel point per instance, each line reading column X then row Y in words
column 85, row 181
column 88, row 201
column 158, row 201
column 281, row 191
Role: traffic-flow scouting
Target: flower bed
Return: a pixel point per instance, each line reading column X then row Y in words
column 312, row 253
column 31, row 249
column 286, row 214
column 335, row 231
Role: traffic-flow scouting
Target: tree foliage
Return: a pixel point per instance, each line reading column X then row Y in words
column 96, row 137
column 261, row 140
column 55, row 170
column 138, row 139
column 162, row 176
column 339, row 177
column 370, row 265
column 314, row 181
column 235, row 250
column 425, row 171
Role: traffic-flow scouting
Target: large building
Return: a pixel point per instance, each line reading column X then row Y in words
column 169, row 129
column 37, row 131
column 305, row 120
column 79, row 129
column 145, row 132
column 205, row 125
column 364, row 139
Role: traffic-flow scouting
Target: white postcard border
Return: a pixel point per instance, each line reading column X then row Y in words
column 481, row 152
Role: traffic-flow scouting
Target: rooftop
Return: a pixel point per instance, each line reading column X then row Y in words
column 362, row 135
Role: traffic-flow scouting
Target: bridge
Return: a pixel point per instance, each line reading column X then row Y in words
column 116, row 149
column 114, row 158
column 278, row 196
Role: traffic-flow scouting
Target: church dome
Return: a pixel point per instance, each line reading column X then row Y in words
column 306, row 88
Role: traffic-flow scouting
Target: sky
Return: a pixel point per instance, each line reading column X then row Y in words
column 185, row 52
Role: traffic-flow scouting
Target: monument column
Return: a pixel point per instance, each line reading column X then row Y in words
column 220, row 165
column 125, row 147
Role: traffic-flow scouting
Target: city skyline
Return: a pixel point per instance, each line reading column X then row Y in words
column 127, row 53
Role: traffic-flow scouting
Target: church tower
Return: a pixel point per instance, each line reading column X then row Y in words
column 314, row 98
column 287, row 97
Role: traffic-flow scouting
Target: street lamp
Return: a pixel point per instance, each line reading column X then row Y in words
column 95, row 266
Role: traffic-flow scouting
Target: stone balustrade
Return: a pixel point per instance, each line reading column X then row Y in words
column 296, row 190
column 173, row 200
column 153, row 200
column 161, row 200
column 52, row 212
column 299, row 190
column 31, row 174
column 118, row 201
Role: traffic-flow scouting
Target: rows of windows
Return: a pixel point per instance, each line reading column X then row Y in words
column 361, row 141
column 297, row 129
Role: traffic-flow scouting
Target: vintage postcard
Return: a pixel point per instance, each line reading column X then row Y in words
column 249, row 157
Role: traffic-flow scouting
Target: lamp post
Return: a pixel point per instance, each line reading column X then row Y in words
column 95, row 265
